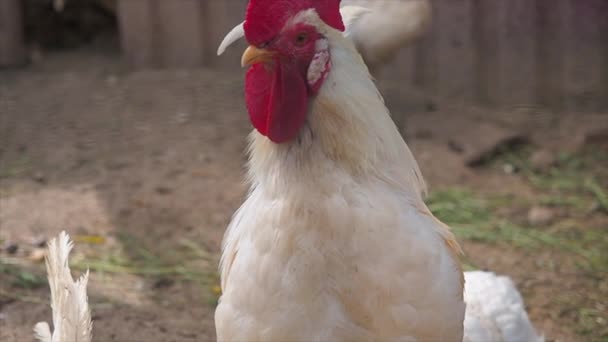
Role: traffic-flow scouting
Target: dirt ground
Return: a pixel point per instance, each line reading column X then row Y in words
column 145, row 169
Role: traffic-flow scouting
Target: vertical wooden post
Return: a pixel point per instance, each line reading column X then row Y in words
column 586, row 55
column 550, row 53
column 518, row 50
column 488, row 23
column 12, row 41
column 137, row 20
column 454, row 48
column 603, row 47
column 181, row 33
column 425, row 61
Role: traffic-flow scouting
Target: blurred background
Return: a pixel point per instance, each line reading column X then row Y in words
column 119, row 124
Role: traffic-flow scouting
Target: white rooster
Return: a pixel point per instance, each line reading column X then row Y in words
column 334, row 241
column 69, row 302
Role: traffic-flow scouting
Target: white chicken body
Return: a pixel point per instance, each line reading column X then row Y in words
column 358, row 264
column 334, row 241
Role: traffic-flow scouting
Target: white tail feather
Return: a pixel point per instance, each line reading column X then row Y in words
column 495, row 310
column 69, row 302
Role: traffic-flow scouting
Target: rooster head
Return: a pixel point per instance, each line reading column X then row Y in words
column 288, row 60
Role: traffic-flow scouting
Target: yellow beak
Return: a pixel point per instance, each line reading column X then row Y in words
column 253, row 55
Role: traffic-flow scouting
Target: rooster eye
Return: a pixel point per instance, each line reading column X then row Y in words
column 301, row 38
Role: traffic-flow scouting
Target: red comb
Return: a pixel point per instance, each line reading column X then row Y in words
column 265, row 18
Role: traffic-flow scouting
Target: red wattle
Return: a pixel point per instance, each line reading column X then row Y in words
column 257, row 96
column 277, row 100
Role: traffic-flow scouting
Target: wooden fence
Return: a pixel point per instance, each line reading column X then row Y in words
column 498, row 52
column 514, row 52
column 178, row 33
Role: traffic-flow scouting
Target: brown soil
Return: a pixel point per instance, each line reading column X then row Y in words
column 159, row 156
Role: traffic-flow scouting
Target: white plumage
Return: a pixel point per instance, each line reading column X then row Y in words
column 495, row 310
column 69, row 302
column 334, row 242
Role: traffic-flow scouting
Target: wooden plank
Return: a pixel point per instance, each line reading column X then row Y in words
column 12, row 44
column 517, row 54
column 571, row 62
column 425, row 60
column 586, row 48
column 603, row 55
column 550, row 30
column 180, row 33
column 136, row 19
column 598, row 38
column 487, row 32
column 454, row 49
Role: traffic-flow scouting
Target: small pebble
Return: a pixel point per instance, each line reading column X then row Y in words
column 455, row 146
column 11, row 248
column 508, row 168
column 542, row 160
column 163, row 283
column 37, row 255
column 39, row 242
column 111, row 80
column 539, row 216
column 39, row 177
column 163, row 190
